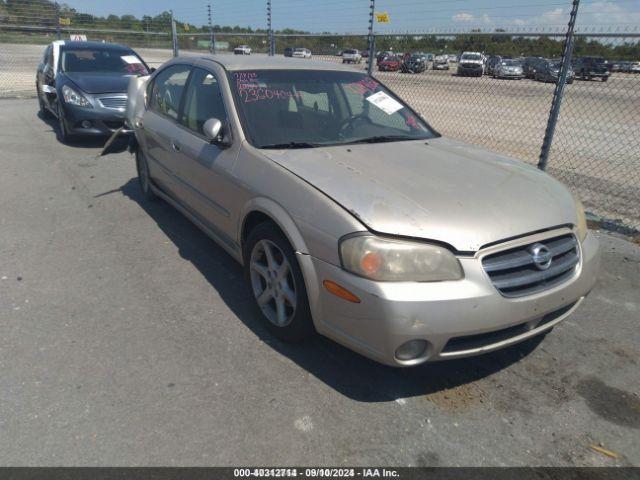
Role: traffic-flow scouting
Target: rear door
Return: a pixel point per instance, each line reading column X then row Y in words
column 160, row 123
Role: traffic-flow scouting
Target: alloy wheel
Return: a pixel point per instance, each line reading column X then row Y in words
column 273, row 283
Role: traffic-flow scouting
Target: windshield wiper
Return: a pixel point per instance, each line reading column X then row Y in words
column 276, row 146
column 382, row 139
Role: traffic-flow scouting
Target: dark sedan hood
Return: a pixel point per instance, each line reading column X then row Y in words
column 100, row 82
column 446, row 190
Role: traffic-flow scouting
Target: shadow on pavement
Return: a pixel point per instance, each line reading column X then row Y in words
column 345, row 371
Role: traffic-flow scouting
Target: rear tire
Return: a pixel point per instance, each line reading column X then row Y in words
column 276, row 284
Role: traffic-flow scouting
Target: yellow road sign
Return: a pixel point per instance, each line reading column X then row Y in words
column 382, row 17
column 65, row 21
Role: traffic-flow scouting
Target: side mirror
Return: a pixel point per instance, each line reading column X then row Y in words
column 212, row 129
column 152, row 69
column 48, row 89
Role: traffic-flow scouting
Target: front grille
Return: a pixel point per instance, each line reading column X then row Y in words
column 115, row 103
column 515, row 273
column 113, row 124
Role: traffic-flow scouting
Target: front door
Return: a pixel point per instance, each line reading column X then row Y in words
column 202, row 168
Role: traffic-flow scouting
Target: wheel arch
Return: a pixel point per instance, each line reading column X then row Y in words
column 261, row 209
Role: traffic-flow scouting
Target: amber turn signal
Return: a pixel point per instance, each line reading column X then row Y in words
column 341, row 292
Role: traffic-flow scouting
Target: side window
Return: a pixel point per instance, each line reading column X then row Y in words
column 166, row 90
column 203, row 101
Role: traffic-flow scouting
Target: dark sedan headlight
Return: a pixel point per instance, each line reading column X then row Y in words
column 74, row 98
column 397, row 260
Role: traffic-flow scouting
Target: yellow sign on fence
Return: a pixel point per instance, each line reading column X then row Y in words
column 382, row 17
column 65, row 21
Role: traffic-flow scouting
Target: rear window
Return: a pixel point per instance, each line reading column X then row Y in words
column 471, row 56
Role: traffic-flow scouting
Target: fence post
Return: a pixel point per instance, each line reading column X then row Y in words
column 174, row 36
column 565, row 65
column 272, row 49
column 58, row 33
column 372, row 38
column 213, row 37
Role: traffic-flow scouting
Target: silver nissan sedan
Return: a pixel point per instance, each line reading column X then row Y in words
column 352, row 216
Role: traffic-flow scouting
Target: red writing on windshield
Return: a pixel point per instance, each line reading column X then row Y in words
column 249, row 95
column 363, row 86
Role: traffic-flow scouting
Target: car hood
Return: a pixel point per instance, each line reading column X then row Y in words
column 441, row 190
column 100, row 82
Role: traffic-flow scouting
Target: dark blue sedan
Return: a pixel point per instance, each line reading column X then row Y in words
column 84, row 86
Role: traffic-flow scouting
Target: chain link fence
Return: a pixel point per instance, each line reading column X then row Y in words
column 596, row 148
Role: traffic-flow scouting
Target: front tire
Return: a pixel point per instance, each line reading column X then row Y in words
column 44, row 111
column 63, row 133
column 275, row 281
column 144, row 179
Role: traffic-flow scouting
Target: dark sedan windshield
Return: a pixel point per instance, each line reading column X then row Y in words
column 307, row 108
column 102, row 61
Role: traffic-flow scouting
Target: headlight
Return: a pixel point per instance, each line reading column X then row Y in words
column 391, row 260
column 74, row 98
column 581, row 224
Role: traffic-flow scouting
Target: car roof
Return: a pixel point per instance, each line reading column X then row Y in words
column 263, row 62
column 90, row 45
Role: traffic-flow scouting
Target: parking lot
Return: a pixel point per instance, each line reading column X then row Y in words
column 594, row 148
column 126, row 338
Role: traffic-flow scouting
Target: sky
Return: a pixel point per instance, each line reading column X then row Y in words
column 351, row 16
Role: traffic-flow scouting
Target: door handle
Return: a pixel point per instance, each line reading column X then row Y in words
column 175, row 146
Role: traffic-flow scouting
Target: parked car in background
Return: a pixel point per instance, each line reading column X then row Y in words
column 530, row 65
column 366, row 225
column 491, row 63
column 587, row 68
column 453, row 58
column 381, row 55
column 440, row 62
column 391, row 63
column 549, row 71
column 365, row 53
column 508, row 68
column 302, row 53
column 634, row 67
column 471, row 64
column 288, row 52
column 414, row 64
column 84, row 86
column 242, row 50
column 351, row 55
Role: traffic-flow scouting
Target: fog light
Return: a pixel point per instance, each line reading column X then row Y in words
column 86, row 124
column 411, row 350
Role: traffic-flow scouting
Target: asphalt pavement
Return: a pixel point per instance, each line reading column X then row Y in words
column 126, row 338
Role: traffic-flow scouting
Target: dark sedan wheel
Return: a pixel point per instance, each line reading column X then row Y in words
column 44, row 111
column 63, row 132
column 144, row 180
column 276, row 284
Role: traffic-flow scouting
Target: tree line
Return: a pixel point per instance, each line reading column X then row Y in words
column 44, row 13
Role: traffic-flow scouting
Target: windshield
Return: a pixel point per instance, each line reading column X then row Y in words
column 511, row 63
column 471, row 56
column 103, row 60
column 350, row 52
column 307, row 108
